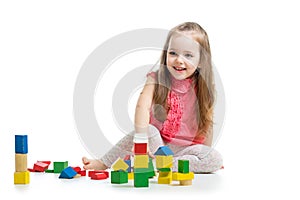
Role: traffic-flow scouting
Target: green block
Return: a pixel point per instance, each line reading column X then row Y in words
column 119, row 177
column 58, row 167
column 164, row 169
column 141, row 179
column 49, row 171
column 149, row 171
column 183, row 166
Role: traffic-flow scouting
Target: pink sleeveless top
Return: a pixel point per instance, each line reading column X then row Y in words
column 180, row 127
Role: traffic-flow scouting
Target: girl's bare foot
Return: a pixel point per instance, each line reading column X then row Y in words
column 93, row 164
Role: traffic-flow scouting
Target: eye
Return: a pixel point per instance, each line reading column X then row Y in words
column 172, row 53
column 188, row 55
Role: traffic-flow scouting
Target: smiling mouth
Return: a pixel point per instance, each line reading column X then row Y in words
column 179, row 68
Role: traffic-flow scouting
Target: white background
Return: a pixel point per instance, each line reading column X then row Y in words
column 255, row 46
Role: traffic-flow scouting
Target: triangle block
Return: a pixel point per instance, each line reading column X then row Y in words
column 164, row 151
column 68, row 173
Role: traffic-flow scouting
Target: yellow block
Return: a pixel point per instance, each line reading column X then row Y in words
column 120, row 164
column 164, row 161
column 176, row 176
column 22, row 177
column 164, row 178
column 130, row 175
column 20, row 162
column 141, row 161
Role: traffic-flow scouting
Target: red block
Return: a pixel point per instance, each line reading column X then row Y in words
column 140, row 148
column 99, row 176
column 47, row 162
column 92, row 173
column 40, row 167
column 77, row 169
column 82, row 172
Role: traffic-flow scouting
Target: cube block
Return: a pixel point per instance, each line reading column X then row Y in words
column 22, row 177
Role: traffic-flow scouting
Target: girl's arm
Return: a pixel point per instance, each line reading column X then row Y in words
column 143, row 106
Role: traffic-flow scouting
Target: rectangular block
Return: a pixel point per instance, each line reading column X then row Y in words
column 183, row 166
column 164, row 161
column 141, row 161
column 58, row 167
column 164, row 178
column 119, row 177
column 141, row 179
column 182, row 176
column 140, row 148
column 22, row 177
column 20, row 162
column 21, row 145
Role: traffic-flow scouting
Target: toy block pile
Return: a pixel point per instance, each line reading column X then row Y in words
column 21, row 174
column 184, row 176
column 143, row 166
column 119, row 173
column 164, row 163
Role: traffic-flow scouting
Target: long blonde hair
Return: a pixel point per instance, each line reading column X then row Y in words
column 202, row 79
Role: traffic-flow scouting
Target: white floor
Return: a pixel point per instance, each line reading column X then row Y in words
column 49, row 186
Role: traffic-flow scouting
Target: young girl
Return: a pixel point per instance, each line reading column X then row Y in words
column 175, row 107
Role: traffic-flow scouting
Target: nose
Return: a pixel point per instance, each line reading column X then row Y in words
column 179, row 59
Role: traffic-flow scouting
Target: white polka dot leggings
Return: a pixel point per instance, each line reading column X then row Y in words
column 202, row 159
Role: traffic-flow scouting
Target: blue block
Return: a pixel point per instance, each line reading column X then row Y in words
column 164, row 151
column 68, row 172
column 21, row 145
column 128, row 162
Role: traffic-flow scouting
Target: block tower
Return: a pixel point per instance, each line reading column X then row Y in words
column 119, row 173
column 164, row 163
column 142, row 168
column 21, row 174
column 184, row 176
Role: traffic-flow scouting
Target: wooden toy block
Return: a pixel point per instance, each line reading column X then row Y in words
column 185, row 182
column 49, row 171
column 163, row 151
column 141, row 179
column 45, row 161
column 68, row 173
column 140, row 148
column 141, row 161
column 22, row 177
column 99, row 176
column 30, row 170
column 40, row 166
column 130, row 175
column 164, row 169
column 182, row 176
column 59, row 166
column 92, row 173
column 20, row 162
column 164, row 161
column 164, row 178
column 82, row 172
column 119, row 164
column 183, row 166
column 128, row 162
column 119, row 177
column 151, row 168
column 77, row 169
column 21, row 145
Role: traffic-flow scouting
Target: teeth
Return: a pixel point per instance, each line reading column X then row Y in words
column 179, row 68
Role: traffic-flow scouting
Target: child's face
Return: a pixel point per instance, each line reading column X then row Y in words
column 183, row 56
